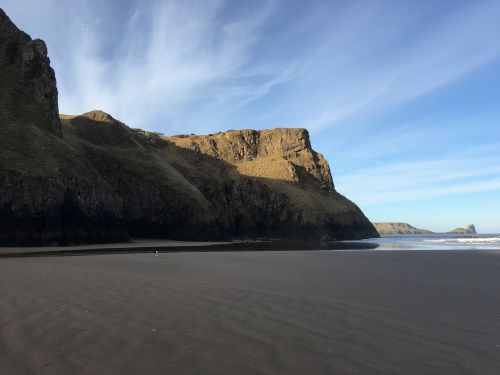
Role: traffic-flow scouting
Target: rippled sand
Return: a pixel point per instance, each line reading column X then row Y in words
column 322, row 312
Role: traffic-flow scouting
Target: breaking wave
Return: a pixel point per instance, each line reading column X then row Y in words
column 474, row 240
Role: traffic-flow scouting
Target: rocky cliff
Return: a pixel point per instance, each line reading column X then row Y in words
column 399, row 228
column 469, row 229
column 48, row 192
column 90, row 178
column 282, row 153
column 27, row 82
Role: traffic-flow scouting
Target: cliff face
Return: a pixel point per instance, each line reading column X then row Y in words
column 90, row 178
column 282, row 153
column 48, row 193
column 28, row 85
column 194, row 187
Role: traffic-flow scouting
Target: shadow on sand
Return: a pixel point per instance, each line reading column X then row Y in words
column 271, row 245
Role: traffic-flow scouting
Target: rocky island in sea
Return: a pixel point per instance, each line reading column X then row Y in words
column 404, row 228
column 90, row 178
column 399, row 228
column 469, row 229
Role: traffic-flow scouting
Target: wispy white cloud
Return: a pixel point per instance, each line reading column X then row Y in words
column 414, row 180
column 365, row 80
column 187, row 48
column 387, row 197
column 160, row 60
column 347, row 59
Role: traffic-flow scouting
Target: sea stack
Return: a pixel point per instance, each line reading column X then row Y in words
column 469, row 229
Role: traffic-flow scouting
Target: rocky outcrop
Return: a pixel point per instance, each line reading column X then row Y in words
column 48, row 193
column 90, row 178
column 403, row 228
column 469, row 229
column 28, row 91
column 282, row 153
column 172, row 187
column 399, row 228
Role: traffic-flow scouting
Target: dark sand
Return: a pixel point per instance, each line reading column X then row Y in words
column 137, row 245
column 148, row 246
column 322, row 312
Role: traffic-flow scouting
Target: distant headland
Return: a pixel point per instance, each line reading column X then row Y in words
column 404, row 228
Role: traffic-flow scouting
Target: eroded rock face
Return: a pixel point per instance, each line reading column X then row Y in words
column 28, row 84
column 195, row 187
column 90, row 178
column 57, row 210
column 49, row 193
column 282, row 153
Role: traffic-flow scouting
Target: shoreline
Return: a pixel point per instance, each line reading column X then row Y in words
column 172, row 246
column 139, row 244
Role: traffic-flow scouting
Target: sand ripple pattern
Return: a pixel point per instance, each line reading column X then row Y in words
column 252, row 313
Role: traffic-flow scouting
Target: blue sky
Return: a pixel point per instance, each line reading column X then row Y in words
column 402, row 97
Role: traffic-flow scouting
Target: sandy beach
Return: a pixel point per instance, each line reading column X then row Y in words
column 135, row 245
column 321, row 312
column 165, row 246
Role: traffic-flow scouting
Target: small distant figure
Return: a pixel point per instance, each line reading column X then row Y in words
column 156, row 253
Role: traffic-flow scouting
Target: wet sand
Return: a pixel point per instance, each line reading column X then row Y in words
column 136, row 245
column 321, row 312
column 148, row 246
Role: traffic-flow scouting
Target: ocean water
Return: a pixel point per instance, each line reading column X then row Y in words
column 436, row 242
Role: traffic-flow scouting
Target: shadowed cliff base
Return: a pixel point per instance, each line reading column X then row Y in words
column 152, row 246
column 92, row 179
